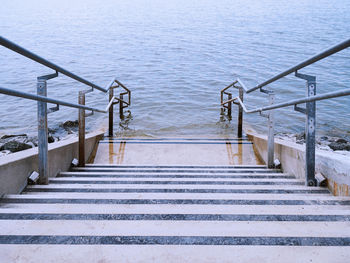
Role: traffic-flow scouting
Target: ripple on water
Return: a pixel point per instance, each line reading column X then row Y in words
column 175, row 56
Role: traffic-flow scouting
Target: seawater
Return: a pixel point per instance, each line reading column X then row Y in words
column 175, row 56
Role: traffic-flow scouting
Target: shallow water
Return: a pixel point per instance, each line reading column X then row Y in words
column 175, row 56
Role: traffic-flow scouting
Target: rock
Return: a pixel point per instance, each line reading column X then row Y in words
column 11, row 136
column 50, row 139
column 341, row 141
column 324, row 138
column 336, row 146
column 300, row 136
column 51, row 130
column 14, row 146
column 69, row 124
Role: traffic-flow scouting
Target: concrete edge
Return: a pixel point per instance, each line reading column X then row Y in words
column 16, row 167
column 333, row 166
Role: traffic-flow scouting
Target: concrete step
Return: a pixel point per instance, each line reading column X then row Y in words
column 116, row 198
column 174, row 209
column 149, row 228
column 116, row 184
column 102, row 165
column 176, row 195
column 27, row 215
column 209, row 180
column 73, row 187
column 189, row 209
column 175, row 170
column 173, row 253
column 175, row 175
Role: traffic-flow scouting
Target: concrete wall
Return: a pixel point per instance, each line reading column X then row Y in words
column 335, row 167
column 16, row 167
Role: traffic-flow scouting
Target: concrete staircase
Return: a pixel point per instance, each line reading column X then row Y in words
column 174, row 213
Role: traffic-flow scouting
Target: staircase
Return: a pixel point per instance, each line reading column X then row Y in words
column 174, row 213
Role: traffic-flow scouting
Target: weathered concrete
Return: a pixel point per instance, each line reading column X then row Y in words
column 333, row 166
column 15, row 168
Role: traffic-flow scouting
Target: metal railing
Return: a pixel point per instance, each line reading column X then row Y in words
column 43, row 111
column 309, row 110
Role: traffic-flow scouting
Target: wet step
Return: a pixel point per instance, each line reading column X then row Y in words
column 176, row 151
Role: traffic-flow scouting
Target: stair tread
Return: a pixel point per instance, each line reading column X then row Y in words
column 175, row 208
column 176, row 228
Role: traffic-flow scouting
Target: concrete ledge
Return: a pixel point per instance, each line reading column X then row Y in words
column 16, row 167
column 333, row 166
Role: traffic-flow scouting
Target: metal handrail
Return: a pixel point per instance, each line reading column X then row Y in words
column 324, row 96
column 326, row 53
column 24, row 52
column 309, row 111
column 26, row 95
column 42, row 99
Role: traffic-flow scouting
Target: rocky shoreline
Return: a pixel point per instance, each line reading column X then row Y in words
column 328, row 143
column 19, row 142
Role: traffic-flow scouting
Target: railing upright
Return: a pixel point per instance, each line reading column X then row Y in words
column 110, row 114
column 310, row 127
column 271, row 134
column 240, row 116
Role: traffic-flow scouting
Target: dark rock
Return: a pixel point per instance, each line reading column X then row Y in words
column 11, row 136
column 300, row 136
column 52, row 130
column 70, row 124
column 341, row 141
column 50, row 139
column 335, row 146
column 324, row 138
column 14, row 146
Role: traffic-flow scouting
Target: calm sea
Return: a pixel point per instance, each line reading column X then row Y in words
column 175, row 56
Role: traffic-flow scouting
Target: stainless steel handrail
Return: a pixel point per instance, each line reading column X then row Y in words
column 42, row 99
column 26, row 95
column 24, row 52
column 309, row 111
column 326, row 53
column 324, row 96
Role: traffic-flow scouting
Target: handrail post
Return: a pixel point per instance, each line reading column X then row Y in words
column 229, row 107
column 310, row 133
column 310, row 127
column 271, row 134
column 121, row 113
column 240, row 115
column 81, row 100
column 111, row 94
column 42, row 133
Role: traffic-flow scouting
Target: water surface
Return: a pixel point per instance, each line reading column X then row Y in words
column 175, row 56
